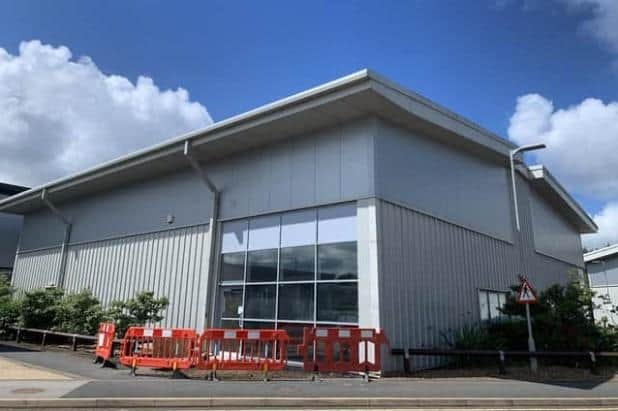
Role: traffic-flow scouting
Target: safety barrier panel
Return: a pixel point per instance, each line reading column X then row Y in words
column 164, row 348
column 105, row 342
column 229, row 349
column 342, row 349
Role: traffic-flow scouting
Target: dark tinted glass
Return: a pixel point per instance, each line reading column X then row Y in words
column 338, row 302
column 232, row 266
column 262, row 266
column 337, row 261
column 230, row 324
column 296, row 302
column 260, row 301
column 231, row 299
column 295, row 332
column 262, row 325
column 298, row 263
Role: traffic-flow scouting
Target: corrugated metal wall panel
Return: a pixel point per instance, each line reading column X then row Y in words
column 171, row 263
column 36, row 269
column 430, row 273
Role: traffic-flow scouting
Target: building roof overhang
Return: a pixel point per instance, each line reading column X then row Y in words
column 360, row 94
column 601, row 253
column 545, row 183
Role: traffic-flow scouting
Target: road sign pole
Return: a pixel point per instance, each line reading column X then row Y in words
column 531, row 346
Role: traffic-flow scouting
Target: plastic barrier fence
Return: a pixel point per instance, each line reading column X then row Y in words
column 165, row 348
column 260, row 350
column 341, row 349
column 105, row 342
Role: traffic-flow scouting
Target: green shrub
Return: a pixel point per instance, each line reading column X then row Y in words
column 9, row 307
column 39, row 308
column 561, row 321
column 79, row 313
column 143, row 309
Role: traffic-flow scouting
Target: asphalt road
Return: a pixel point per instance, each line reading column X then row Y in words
column 90, row 381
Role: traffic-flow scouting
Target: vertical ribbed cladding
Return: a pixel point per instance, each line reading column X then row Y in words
column 171, row 263
column 36, row 269
column 431, row 271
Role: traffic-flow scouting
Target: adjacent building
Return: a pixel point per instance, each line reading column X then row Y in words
column 602, row 269
column 355, row 203
column 10, row 228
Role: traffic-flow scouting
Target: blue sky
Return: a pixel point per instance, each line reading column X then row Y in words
column 474, row 57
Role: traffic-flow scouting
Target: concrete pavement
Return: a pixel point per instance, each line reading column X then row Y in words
column 86, row 385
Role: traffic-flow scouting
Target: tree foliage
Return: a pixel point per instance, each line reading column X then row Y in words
column 9, row 307
column 40, row 308
column 143, row 309
column 561, row 321
column 79, row 313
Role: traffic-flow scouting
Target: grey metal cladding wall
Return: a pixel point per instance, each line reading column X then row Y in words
column 430, row 272
column 10, row 229
column 130, row 209
column 603, row 273
column 443, row 181
column 553, row 235
column 170, row 263
column 332, row 165
column 36, row 269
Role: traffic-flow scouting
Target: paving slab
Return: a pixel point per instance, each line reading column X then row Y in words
column 14, row 370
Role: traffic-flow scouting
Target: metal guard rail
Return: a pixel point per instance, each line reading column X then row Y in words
column 500, row 355
column 44, row 333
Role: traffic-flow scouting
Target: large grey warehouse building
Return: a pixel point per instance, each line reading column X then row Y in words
column 354, row 203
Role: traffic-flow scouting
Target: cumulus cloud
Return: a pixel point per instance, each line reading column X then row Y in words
column 582, row 150
column 607, row 220
column 582, row 141
column 59, row 115
column 602, row 22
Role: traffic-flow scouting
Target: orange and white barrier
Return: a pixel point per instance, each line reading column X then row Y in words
column 241, row 349
column 165, row 348
column 342, row 349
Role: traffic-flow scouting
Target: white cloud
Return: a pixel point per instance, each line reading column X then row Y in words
column 59, row 115
column 602, row 23
column 582, row 141
column 582, row 150
column 607, row 220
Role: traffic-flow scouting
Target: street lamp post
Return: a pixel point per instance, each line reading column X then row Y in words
column 512, row 154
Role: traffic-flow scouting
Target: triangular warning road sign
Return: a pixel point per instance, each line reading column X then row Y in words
column 526, row 294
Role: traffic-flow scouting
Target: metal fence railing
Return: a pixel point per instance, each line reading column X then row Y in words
column 499, row 355
column 74, row 339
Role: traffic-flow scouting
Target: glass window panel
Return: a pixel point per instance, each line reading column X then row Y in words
column 297, row 263
column 295, row 332
column 337, row 261
column 262, row 266
column 296, row 302
column 230, row 300
column 298, row 228
column 234, row 237
column 337, row 224
column 259, row 325
column 494, row 304
column 233, row 266
column 260, row 301
column 483, row 305
column 264, row 232
column 338, row 302
column 230, row 324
